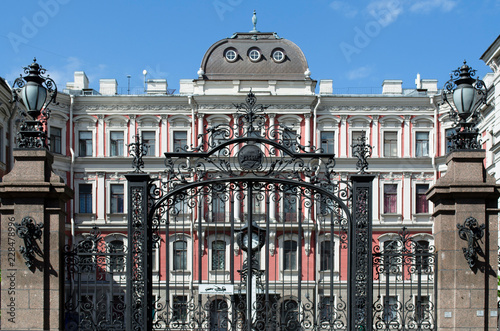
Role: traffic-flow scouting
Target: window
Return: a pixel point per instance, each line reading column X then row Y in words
column 421, row 144
column 278, row 56
column 55, row 140
column 326, row 254
column 449, row 133
column 148, row 138
column 218, row 255
column 421, row 204
column 254, row 55
column 218, row 207
column 231, row 55
column 390, row 144
column 422, row 255
column 116, row 143
column 328, row 142
column 326, row 309
column 289, row 204
column 180, row 255
column 116, row 198
column 423, row 309
column 85, row 198
column 289, row 255
column 219, row 315
column 117, row 256
column 355, row 138
column 290, row 139
column 390, row 198
column 85, row 143
column 390, row 309
column 180, row 141
column 290, row 315
column 179, row 312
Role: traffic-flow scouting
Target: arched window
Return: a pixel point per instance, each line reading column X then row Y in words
column 290, row 315
column 219, row 315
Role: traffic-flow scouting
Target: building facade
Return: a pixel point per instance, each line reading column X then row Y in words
column 90, row 132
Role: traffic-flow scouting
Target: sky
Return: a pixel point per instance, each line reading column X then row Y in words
column 357, row 44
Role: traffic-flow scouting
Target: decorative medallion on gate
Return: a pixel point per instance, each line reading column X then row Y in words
column 250, row 157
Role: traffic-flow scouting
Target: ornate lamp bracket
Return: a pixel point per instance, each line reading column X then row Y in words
column 471, row 232
column 30, row 232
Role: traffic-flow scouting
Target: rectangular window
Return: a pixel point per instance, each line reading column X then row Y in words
column 179, row 312
column 85, row 143
column 326, row 253
column 390, row 144
column 85, row 198
column 356, row 138
column 149, row 138
column 390, row 309
column 219, row 255
column 328, row 141
column 423, row 309
column 180, row 141
column 326, row 309
column 421, row 144
column 289, row 255
column 116, row 143
column 55, row 140
column 421, row 204
column 289, row 205
column 218, row 208
column 449, row 133
column 390, row 198
column 116, row 198
column 290, row 138
column 180, row 255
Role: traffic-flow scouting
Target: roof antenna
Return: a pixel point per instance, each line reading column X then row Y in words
column 254, row 21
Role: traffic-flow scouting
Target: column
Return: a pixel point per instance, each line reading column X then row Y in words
column 163, row 135
column 32, row 295
column 407, row 136
column 407, row 205
column 201, row 127
column 131, row 129
column 467, row 294
column 101, row 197
column 343, row 136
column 375, row 136
column 100, row 135
column 307, row 133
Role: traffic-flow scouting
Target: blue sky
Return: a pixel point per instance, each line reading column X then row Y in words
column 354, row 43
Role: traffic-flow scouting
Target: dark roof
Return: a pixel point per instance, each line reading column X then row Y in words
column 216, row 67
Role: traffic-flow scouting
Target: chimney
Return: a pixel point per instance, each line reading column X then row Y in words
column 392, row 86
column 108, row 86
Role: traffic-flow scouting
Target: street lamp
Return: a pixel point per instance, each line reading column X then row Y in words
column 36, row 92
column 468, row 94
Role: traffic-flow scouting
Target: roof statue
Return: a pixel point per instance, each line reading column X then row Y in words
column 254, row 21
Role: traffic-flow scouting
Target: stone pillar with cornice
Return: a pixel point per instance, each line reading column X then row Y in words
column 33, row 213
column 466, row 285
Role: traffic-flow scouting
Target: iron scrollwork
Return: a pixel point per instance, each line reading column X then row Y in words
column 362, row 151
column 138, row 150
column 471, row 232
column 30, row 232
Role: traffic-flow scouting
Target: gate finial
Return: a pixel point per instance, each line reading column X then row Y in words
column 138, row 149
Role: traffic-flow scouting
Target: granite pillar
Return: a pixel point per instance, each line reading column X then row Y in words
column 32, row 291
column 466, row 296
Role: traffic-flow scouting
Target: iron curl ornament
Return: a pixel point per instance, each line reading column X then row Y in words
column 138, row 150
column 468, row 94
column 29, row 231
column 36, row 92
column 362, row 151
column 471, row 232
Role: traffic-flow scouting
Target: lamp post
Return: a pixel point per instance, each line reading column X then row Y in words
column 36, row 92
column 468, row 94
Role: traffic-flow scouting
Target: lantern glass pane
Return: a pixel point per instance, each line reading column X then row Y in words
column 463, row 97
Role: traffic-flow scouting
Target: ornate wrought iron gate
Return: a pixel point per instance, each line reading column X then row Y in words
column 250, row 230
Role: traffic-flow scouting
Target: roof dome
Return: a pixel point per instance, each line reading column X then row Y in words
column 254, row 56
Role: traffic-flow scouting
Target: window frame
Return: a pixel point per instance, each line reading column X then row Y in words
column 92, row 142
column 288, row 274
column 180, row 275
column 52, row 146
column 331, row 149
column 151, row 151
column 391, row 217
column 78, row 192
column 219, row 275
column 416, row 145
column 397, row 152
column 110, row 144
